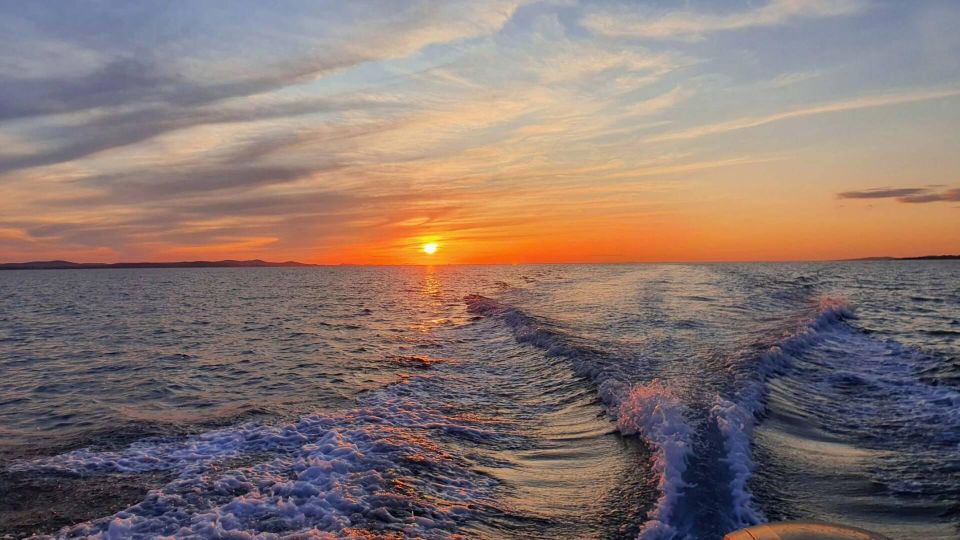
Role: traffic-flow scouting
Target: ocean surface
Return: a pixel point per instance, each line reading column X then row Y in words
column 540, row 401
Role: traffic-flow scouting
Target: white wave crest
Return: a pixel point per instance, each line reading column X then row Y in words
column 736, row 417
column 651, row 410
column 368, row 472
column 654, row 412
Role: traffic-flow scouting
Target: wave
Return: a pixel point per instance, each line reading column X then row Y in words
column 655, row 413
column 652, row 410
column 527, row 329
column 736, row 416
column 371, row 471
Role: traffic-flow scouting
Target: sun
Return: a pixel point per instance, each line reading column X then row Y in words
column 430, row 248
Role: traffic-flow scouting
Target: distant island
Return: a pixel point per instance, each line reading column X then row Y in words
column 923, row 258
column 67, row 265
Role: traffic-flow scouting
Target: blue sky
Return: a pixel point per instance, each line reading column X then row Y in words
column 507, row 131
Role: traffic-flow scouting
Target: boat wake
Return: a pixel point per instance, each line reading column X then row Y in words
column 737, row 414
column 656, row 414
column 653, row 411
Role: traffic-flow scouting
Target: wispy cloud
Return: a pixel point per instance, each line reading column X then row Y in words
column 647, row 23
column 113, row 129
column 826, row 108
column 788, row 79
column 905, row 195
column 176, row 75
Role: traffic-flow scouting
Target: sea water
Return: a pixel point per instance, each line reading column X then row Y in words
column 530, row 401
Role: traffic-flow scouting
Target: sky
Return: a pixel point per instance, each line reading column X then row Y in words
column 503, row 131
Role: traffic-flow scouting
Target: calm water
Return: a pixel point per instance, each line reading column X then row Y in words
column 620, row 401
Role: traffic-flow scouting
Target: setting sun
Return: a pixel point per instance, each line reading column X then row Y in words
column 430, row 248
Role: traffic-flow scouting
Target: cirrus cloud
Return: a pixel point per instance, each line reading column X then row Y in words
column 692, row 25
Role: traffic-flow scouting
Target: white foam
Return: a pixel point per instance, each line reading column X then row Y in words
column 654, row 412
column 373, row 470
column 736, row 423
column 736, row 417
column 651, row 411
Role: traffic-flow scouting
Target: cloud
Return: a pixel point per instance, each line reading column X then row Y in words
column 188, row 65
column 124, row 93
column 691, row 25
column 880, row 193
column 657, row 104
column 952, row 195
column 299, row 222
column 339, row 131
column 788, row 79
column 904, row 195
column 118, row 129
column 865, row 102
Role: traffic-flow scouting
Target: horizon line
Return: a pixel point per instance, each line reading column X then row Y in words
column 97, row 265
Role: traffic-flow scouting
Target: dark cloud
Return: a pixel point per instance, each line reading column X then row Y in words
column 178, row 183
column 904, row 195
column 139, row 81
column 881, row 193
column 142, row 75
column 143, row 50
column 290, row 216
column 319, row 202
column 117, row 83
column 235, row 172
column 952, row 195
column 114, row 130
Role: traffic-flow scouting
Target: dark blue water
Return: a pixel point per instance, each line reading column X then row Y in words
column 612, row 401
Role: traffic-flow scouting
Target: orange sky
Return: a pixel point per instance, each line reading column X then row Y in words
column 506, row 131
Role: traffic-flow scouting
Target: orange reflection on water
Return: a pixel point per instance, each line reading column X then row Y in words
column 426, row 449
column 431, row 282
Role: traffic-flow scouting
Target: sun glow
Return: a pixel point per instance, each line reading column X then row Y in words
column 430, row 248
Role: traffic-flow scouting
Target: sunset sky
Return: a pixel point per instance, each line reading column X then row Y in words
column 356, row 132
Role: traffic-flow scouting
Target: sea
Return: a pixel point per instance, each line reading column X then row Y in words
column 649, row 401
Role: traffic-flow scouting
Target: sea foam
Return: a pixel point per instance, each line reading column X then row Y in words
column 651, row 411
column 736, row 417
column 655, row 413
column 376, row 470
